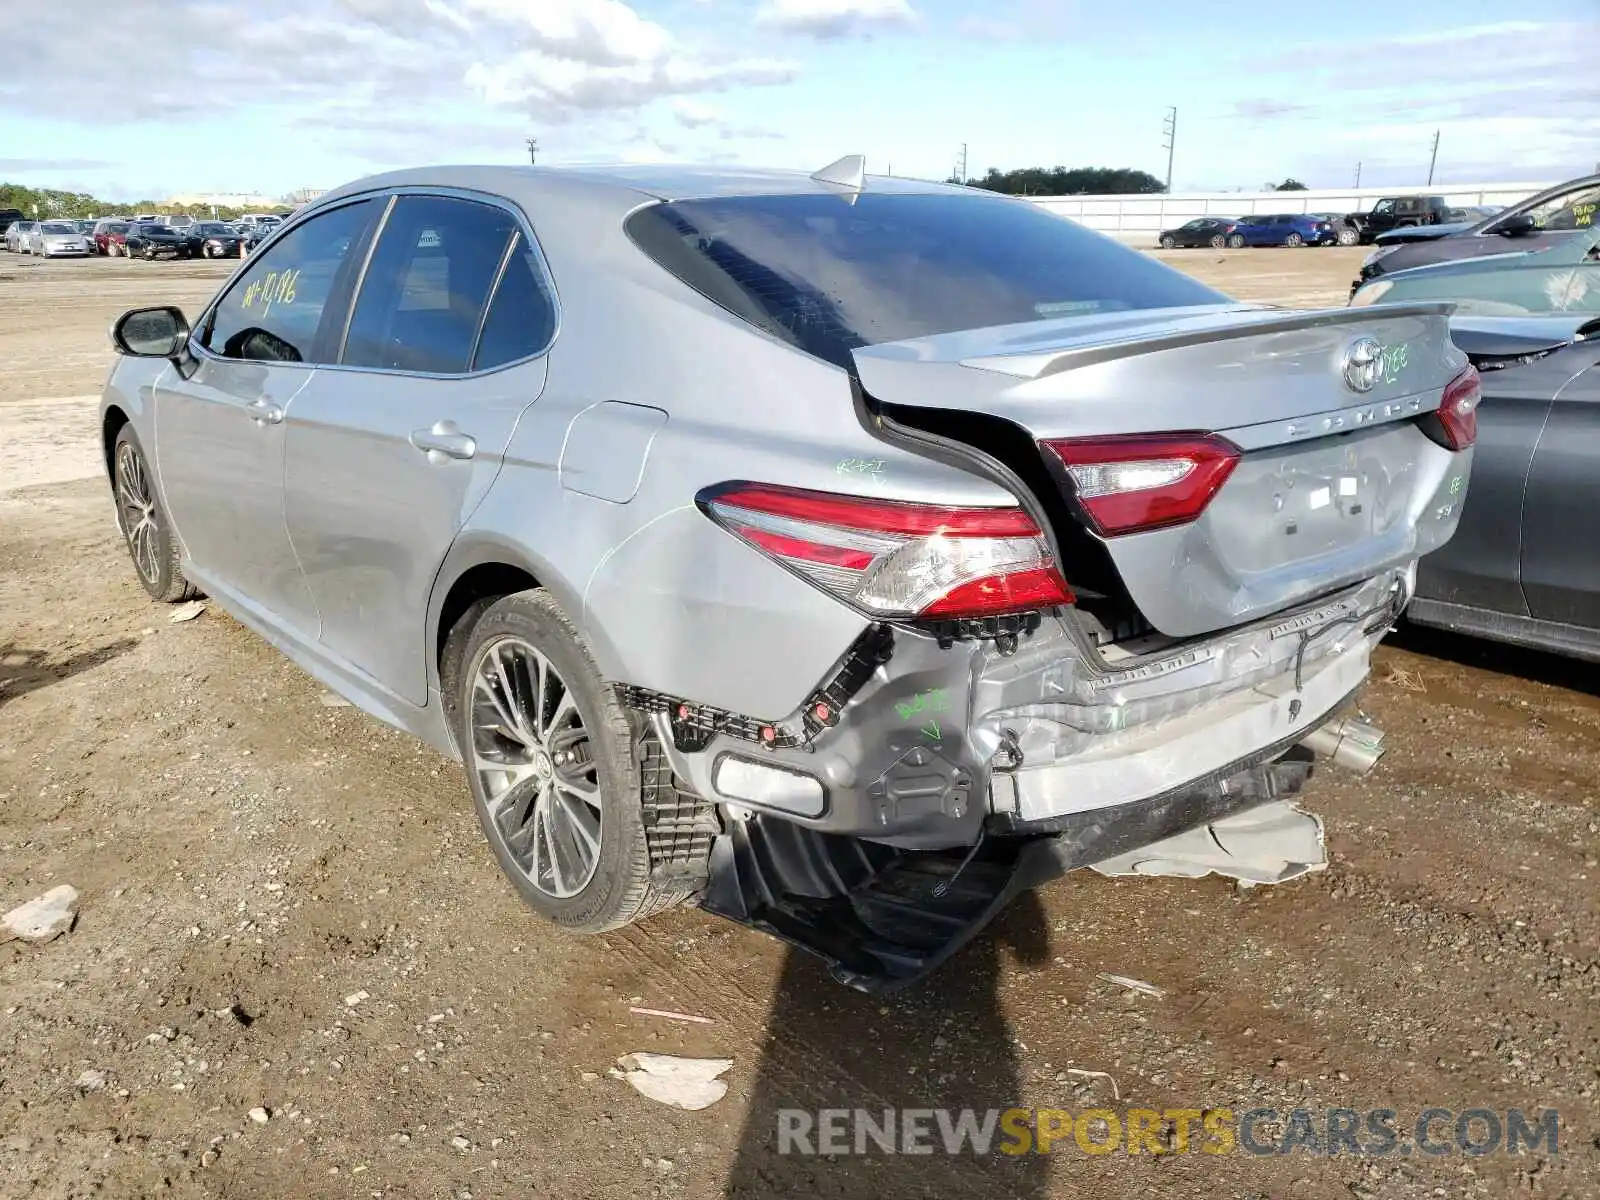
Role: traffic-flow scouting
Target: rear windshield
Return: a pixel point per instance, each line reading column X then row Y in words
column 828, row 276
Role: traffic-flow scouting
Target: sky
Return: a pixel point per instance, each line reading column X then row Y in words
column 147, row 98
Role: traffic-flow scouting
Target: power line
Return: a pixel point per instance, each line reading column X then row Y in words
column 1169, row 129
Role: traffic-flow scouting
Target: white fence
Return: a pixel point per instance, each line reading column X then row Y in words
column 1140, row 219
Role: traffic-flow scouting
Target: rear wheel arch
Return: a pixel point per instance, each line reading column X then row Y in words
column 484, row 581
column 483, row 568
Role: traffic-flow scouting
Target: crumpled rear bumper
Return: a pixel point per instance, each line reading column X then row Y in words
column 936, row 742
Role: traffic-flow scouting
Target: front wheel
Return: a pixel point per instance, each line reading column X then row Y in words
column 1168, row 242
column 1348, row 237
column 548, row 754
column 1236, row 241
column 1218, row 241
column 144, row 524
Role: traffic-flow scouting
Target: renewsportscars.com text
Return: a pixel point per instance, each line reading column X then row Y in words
column 1375, row 1132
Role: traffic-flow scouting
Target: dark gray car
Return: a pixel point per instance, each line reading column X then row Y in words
column 1550, row 217
column 1524, row 566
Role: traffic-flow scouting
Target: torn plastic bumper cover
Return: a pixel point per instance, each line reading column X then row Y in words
column 882, row 918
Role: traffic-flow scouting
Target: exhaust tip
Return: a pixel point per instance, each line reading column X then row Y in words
column 1347, row 742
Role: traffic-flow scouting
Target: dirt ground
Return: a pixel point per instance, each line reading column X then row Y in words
column 287, row 906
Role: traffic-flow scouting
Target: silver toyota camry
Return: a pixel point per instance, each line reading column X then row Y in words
column 840, row 553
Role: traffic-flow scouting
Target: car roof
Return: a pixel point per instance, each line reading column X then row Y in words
column 635, row 182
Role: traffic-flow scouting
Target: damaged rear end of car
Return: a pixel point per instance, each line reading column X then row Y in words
column 1218, row 513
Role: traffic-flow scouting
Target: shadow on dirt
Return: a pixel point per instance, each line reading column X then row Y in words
column 23, row 671
column 942, row 1044
column 1538, row 666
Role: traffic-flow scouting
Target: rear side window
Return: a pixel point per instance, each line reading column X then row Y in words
column 521, row 319
column 828, row 275
column 426, row 288
column 274, row 310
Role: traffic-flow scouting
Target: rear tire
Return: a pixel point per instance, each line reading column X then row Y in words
column 1168, row 242
column 146, row 530
column 1236, row 241
column 1294, row 240
column 1218, row 241
column 520, row 658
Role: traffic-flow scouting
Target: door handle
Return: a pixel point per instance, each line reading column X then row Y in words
column 443, row 440
column 264, row 412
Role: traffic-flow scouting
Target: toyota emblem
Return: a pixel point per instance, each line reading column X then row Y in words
column 1363, row 364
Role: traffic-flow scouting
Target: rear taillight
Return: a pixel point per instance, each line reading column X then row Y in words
column 894, row 558
column 1141, row 482
column 1458, row 411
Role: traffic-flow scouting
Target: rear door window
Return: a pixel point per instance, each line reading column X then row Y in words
column 522, row 316
column 830, row 273
column 276, row 310
column 426, row 288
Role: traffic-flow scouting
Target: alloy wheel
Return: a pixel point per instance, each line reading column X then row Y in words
column 136, row 508
column 532, row 755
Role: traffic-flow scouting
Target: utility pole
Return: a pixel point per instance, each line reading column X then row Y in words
column 961, row 164
column 1358, row 172
column 1169, row 129
column 533, row 150
column 1435, row 159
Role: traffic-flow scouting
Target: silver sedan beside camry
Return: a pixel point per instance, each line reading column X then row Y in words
column 840, row 553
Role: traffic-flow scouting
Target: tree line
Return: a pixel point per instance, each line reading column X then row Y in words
column 1067, row 181
column 1084, row 181
column 54, row 203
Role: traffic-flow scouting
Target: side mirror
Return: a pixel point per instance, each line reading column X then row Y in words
column 1519, row 225
column 151, row 332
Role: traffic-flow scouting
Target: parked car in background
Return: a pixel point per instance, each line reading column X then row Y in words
column 1555, row 276
column 1398, row 212
column 1465, row 215
column 7, row 217
column 767, row 540
column 1202, row 231
column 56, row 239
column 1345, row 233
column 1548, row 216
column 1282, row 229
column 1522, row 567
column 17, row 231
column 110, row 236
column 145, row 240
column 253, row 235
column 217, row 240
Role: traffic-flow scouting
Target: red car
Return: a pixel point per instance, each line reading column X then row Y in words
column 111, row 238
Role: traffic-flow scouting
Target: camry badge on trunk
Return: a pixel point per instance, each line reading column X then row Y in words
column 1363, row 364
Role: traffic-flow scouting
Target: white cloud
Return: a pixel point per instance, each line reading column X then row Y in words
column 836, row 18
column 693, row 115
column 407, row 67
column 1516, row 99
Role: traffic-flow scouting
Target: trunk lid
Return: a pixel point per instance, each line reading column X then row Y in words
column 1333, row 484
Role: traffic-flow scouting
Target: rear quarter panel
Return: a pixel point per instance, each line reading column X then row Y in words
column 668, row 600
